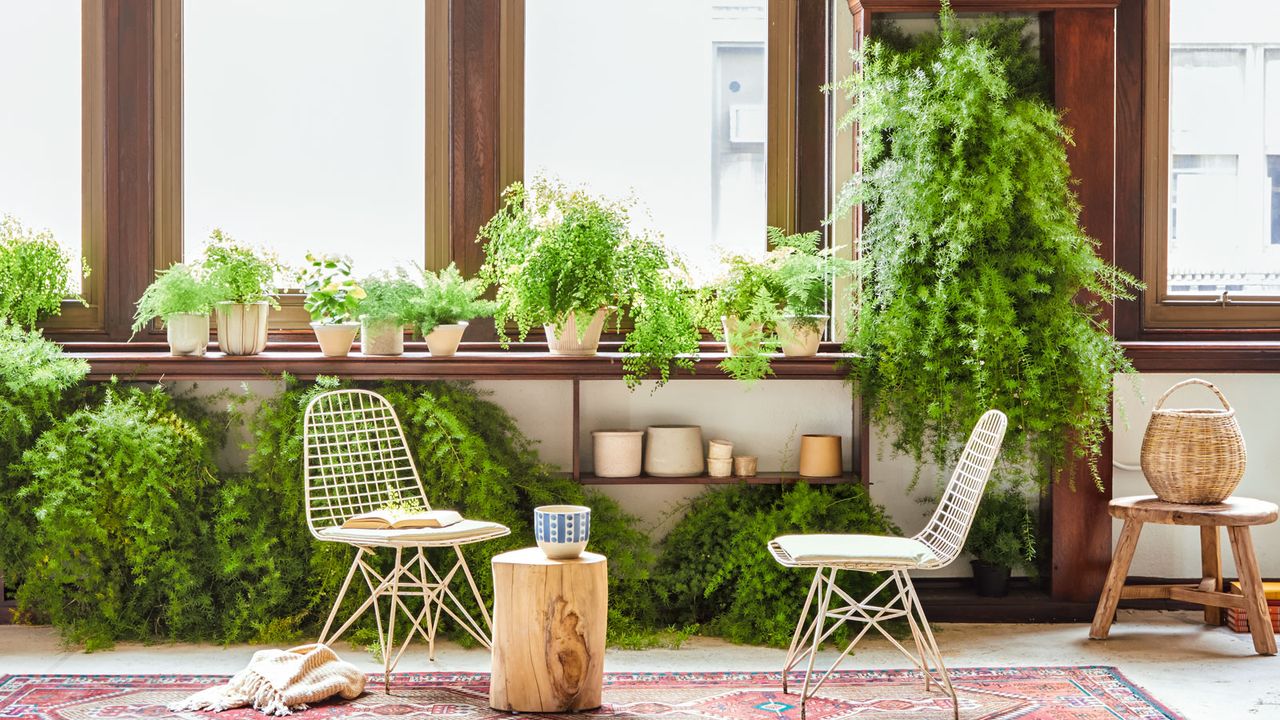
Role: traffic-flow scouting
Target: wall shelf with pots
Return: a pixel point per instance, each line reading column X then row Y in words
column 763, row 478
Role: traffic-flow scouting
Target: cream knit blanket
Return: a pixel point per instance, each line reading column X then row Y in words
column 278, row 682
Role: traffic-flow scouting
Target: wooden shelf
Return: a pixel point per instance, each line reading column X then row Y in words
column 764, row 478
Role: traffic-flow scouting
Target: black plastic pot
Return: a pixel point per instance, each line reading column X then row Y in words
column 990, row 580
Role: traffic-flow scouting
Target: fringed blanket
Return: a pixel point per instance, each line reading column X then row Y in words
column 279, row 682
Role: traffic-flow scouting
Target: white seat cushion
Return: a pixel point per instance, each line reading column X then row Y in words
column 869, row 549
column 459, row 531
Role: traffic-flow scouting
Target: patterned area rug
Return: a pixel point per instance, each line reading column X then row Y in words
column 1043, row 693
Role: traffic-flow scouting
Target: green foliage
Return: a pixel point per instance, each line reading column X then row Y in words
column 446, row 298
column 716, row 571
column 553, row 251
column 178, row 290
column 238, row 273
column 1004, row 530
column 389, row 297
column 974, row 260
column 35, row 273
column 120, row 497
column 332, row 295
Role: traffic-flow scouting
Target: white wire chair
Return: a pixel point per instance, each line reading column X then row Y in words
column 934, row 547
column 356, row 460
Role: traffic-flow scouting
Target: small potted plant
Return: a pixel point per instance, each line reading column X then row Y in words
column 442, row 307
column 1003, row 537
column 385, row 310
column 35, row 273
column 805, row 275
column 563, row 259
column 333, row 298
column 244, row 285
column 183, row 300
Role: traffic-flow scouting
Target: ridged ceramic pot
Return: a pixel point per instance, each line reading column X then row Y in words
column 336, row 339
column 565, row 340
column 800, row 336
column 381, row 338
column 188, row 334
column 242, row 327
column 443, row 340
column 617, row 453
column 673, row 450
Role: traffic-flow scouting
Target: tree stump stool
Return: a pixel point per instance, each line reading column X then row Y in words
column 549, row 620
column 1237, row 515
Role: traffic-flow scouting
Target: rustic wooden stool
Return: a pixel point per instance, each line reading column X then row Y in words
column 549, row 621
column 1237, row 514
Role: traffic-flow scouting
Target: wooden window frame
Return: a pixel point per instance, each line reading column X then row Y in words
column 1163, row 314
column 291, row 318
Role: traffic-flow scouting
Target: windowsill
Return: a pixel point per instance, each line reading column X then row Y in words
column 1204, row 355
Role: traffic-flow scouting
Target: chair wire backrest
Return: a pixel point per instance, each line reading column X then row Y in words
column 355, row 458
column 949, row 527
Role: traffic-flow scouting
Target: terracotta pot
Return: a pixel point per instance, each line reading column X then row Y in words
column 242, row 328
column 443, row 340
column 335, row 338
column 820, row 456
column 720, row 467
column 564, row 339
column 745, row 466
column 673, row 450
column 617, row 453
column 800, row 336
column 381, row 338
column 188, row 334
column 729, row 323
column 719, row 449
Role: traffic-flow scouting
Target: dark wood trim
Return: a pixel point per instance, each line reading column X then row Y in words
column 763, row 478
column 978, row 6
column 1130, row 19
column 474, row 124
column 814, row 121
column 1181, row 357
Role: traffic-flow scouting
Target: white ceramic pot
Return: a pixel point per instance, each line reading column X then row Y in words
column 617, row 452
column 564, row 339
column 562, row 531
column 242, row 327
column 719, row 449
column 719, row 467
column 188, row 334
column 729, row 323
column 335, row 338
column 673, row 450
column 381, row 338
column 800, row 336
column 443, row 340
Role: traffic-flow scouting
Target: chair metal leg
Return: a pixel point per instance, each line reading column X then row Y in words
column 388, row 647
column 830, row 582
column 932, row 644
column 800, row 634
column 346, row 583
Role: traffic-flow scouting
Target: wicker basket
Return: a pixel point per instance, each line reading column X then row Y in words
column 1193, row 456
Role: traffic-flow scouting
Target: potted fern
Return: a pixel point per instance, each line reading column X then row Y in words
column 333, row 298
column 35, row 273
column 805, row 275
column 244, row 286
column 182, row 299
column 442, row 307
column 1003, row 537
column 564, row 259
column 385, row 310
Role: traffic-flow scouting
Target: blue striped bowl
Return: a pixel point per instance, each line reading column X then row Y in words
column 562, row 530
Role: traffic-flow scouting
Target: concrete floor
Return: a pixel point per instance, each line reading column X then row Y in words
column 1203, row 673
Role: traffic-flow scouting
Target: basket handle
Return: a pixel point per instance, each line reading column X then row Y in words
column 1194, row 381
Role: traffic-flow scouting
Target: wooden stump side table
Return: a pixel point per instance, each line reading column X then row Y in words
column 549, row 622
column 1237, row 514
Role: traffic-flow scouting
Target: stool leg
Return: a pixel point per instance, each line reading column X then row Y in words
column 1120, row 560
column 1210, row 570
column 1264, row 642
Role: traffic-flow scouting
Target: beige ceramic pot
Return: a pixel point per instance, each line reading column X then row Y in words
column 188, row 334
column 719, row 449
column 800, row 336
column 820, row 456
column 443, row 340
column 745, row 466
column 565, row 339
column 242, row 327
column 673, row 450
column 381, row 338
column 720, row 467
column 617, row 452
column 335, row 338
column 729, row 323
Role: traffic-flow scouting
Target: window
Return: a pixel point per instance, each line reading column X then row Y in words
column 304, row 126
column 673, row 110
column 1216, row 256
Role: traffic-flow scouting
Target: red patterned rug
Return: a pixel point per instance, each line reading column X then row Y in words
column 1040, row 693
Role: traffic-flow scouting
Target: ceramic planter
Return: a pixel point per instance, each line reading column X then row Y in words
column 443, row 340
column 729, row 323
column 381, row 338
column 335, row 338
column 800, row 336
column 744, row 466
column 188, row 334
column 617, row 452
column 242, row 327
column 719, row 449
column 990, row 580
column 562, row 531
column 719, row 467
column 673, row 450
column 564, row 339
column 820, row 456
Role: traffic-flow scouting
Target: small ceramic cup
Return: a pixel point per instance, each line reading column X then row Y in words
column 562, row 530
column 719, row 467
column 744, row 466
column 719, row 449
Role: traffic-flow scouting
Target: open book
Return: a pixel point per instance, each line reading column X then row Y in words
column 401, row 520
